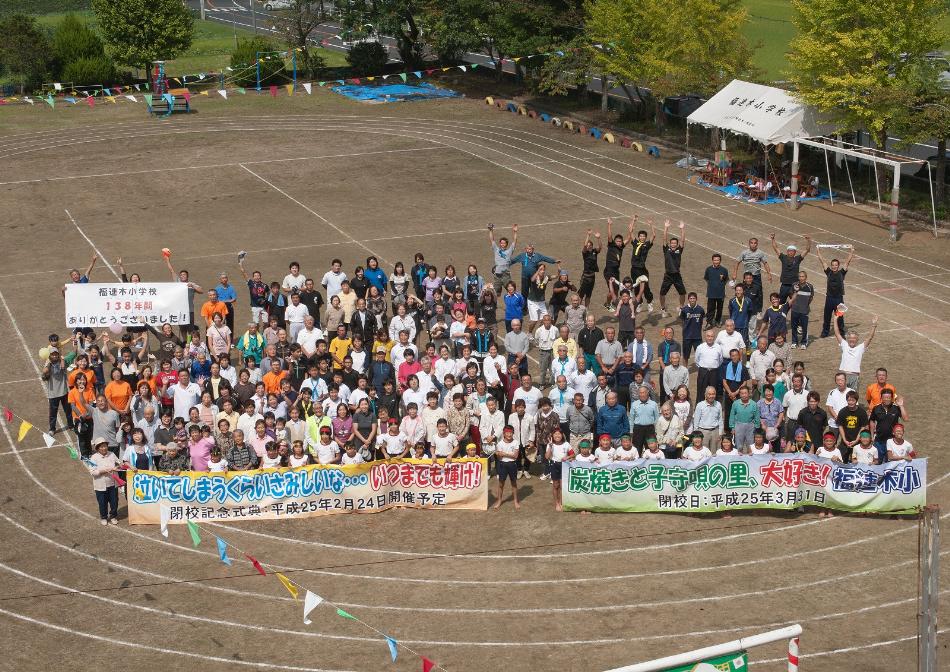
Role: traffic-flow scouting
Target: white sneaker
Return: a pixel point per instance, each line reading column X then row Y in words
column 663, row 313
column 527, row 474
column 114, row 521
column 520, row 474
column 804, row 346
column 545, row 477
column 649, row 307
column 103, row 522
column 794, row 345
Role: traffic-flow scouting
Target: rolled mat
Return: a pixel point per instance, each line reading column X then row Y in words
column 500, row 104
column 626, row 142
column 512, row 107
column 522, row 110
column 636, row 146
column 545, row 117
column 596, row 133
column 489, row 100
column 582, row 129
column 532, row 114
column 569, row 125
column 556, row 121
column 609, row 137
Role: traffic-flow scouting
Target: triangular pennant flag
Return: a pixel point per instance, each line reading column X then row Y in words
column 310, row 602
column 170, row 99
column 29, row 100
column 50, row 101
column 290, row 89
column 393, row 650
column 308, row 87
column 273, row 90
column 7, row 414
column 223, row 551
column 111, row 99
column 24, row 428
column 356, row 80
column 473, row 66
column 73, row 453
column 132, row 98
column 89, row 99
column 147, row 86
column 418, row 73
column 184, row 79
column 386, row 77
column 175, row 79
column 402, row 76
column 195, row 535
column 343, row 614
column 320, row 83
column 204, row 93
column 201, row 75
column 164, row 514
column 107, row 92
column 70, row 100
column 242, row 90
column 446, row 69
column 462, row 68
column 137, row 87
column 257, row 565
column 187, row 96
column 57, row 86
column 148, row 98
column 288, row 584
column 49, row 440
column 224, row 93
column 430, row 71
column 370, row 79
column 427, row 664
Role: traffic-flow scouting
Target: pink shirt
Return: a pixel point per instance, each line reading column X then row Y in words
column 200, row 453
column 257, row 443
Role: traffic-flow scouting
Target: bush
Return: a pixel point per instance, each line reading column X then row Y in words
column 24, row 51
column 94, row 70
column 367, row 58
column 273, row 71
column 74, row 40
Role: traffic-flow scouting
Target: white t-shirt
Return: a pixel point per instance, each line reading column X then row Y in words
column 333, row 282
column 296, row 314
column 583, row 383
column 851, row 357
column 580, row 458
column 864, row 455
column 531, row 399
column 729, row 453
column 326, row 452
column 219, row 466
column 301, row 461
column 837, row 400
column 443, row 446
column 394, row 444
column 727, row 343
column 444, row 367
column 559, row 451
column 902, row 450
column 356, row 459
column 510, row 447
column 292, row 282
column 184, row 398
column 308, row 339
column 694, row 454
column 490, row 372
column 270, row 462
column 794, row 402
column 756, row 450
column 626, row 455
column 604, row 456
column 834, row 453
column 651, row 455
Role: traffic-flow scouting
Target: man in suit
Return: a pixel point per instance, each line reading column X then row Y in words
column 642, row 351
column 363, row 323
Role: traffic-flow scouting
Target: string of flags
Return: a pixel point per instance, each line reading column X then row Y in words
column 116, row 94
column 311, row 600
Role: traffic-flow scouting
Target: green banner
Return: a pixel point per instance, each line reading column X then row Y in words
column 734, row 662
column 780, row 481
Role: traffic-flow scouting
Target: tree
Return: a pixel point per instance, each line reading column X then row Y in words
column 138, row 32
column 854, row 60
column 24, row 50
column 928, row 117
column 677, row 46
column 300, row 20
column 397, row 18
column 367, row 58
column 73, row 41
column 90, row 70
column 244, row 62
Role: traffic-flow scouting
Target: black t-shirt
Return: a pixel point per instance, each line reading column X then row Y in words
column 359, row 285
column 614, row 252
column 835, row 282
column 471, row 287
column 813, row 423
column 590, row 261
column 312, row 300
column 716, row 278
column 560, row 298
column 852, row 421
column 638, row 254
column 587, row 339
column 672, row 259
column 258, row 291
column 885, row 418
column 790, row 265
column 536, row 290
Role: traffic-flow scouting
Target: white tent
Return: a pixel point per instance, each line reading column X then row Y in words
column 763, row 113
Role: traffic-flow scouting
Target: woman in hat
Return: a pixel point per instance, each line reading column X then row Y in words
column 102, row 465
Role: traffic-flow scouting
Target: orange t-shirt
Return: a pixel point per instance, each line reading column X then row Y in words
column 90, row 378
column 84, row 401
column 272, row 380
column 874, row 393
column 119, row 393
column 208, row 310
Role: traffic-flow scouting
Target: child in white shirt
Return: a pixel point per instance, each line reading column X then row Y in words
column 216, row 463
column 627, row 452
column 696, row 451
column 605, row 453
column 351, row 456
column 652, row 450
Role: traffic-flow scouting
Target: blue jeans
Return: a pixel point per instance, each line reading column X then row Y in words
column 108, row 502
column 831, row 302
column 799, row 320
column 881, row 451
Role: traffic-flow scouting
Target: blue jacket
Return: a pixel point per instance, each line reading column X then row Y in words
column 514, row 306
column 377, row 278
column 529, row 264
column 613, row 421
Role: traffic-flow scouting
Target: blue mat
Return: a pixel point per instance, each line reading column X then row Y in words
column 732, row 191
column 393, row 93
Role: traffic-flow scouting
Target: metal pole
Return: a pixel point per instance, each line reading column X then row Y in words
column 257, row 67
column 850, row 184
column 202, row 5
column 933, row 206
column 828, row 171
column 929, row 557
column 895, row 198
column 687, row 150
column 877, row 186
column 295, row 68
column 794, row 184
column 250, row 6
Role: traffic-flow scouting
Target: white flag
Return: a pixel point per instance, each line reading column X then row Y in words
column 165, row 514
column 57, row 86
column 308, row 86
column 29, row 100
column 132, row 98
column 224, row 93
column 310, row 602
column 47, row 438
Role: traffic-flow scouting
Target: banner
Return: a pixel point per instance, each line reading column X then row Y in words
column 101, row 305
column 732, row 662
column 781, row 481
column 308, row 491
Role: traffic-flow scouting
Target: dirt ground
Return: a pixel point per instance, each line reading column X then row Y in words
column 318, row 177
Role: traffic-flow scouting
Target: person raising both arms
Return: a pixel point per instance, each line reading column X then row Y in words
column 639, row 250
column 615, row 245
column 193, row 288
column 589, row 254
column 791, row 263
column 77, row 278
column 501, row 252
column 834, row 291
column 672, row 257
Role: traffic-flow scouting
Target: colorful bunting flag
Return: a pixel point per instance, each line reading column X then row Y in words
column 49, row 440
column 73, row 453
column 108, row 92
column 310, row 602
column 170, row 99
column 273, row 90
column 308, row 87
column 24, row 428
column 7, row 414
column 402, row 76
column 137, row 87
column 257, row 565
column 195, row 535
column 462, row 68
column 418, row 73
column 427, row 664
column 290, row 89
column 223, row 551
column 50, row 101
column 57, row 86
column 29, row 100
column 320, row 83
column 224, row 93
column 288, row 584
column 242, row 90
column 132, row 98
column 70, row 100
column 90, row 100
column 343, row 614
column 111, row 99
column 393, row 650
column 204, row 93
column 148, row 98
column 187, row 96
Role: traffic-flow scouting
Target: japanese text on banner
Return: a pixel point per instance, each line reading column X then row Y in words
column 126, row 304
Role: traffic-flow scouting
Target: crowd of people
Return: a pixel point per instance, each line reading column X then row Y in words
column 440, row 363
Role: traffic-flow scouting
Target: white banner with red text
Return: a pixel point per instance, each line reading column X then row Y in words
column 127, row 304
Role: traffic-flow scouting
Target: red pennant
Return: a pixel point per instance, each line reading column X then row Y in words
column 7, row 414
column 356, row 81
column 273, row 90
column 430, row 71
column 90, row 101
column 427, row 664
column 118, row 481
column 256, row 564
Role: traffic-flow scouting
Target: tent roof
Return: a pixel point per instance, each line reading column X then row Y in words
column 764, row 113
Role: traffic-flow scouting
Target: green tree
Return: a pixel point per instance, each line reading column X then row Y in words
column 676, row 46
column 928, row 117
column 367, row 58
column 24, row 51
column 138, row 32
column 272, row 70
column 397, row 18
column 90, row 70
column 855, row 60
column 299, row 22
column 72, row 41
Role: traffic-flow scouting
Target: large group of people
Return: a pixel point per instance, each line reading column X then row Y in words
column 440, row 363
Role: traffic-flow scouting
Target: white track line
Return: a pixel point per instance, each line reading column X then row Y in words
column 93, row 246
column 849, row 649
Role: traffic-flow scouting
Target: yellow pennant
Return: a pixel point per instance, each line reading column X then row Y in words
column 291, row 588
column 24, row 428
column 370, row 79
column 111, row 99
column 290, row 89
column 204, row 93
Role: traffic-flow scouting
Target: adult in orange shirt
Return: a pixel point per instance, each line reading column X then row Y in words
column 273, row 377
column 82, row 367
column 213, row 307
column 82, row 399
column 118, row 392
column 879, row 385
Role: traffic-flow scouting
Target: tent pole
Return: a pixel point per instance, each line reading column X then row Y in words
column 795, row 166
column 895, row 197
column 850, row 184
column 933, row 205
column 687, row 150
column 877, row 187
column 828, row 171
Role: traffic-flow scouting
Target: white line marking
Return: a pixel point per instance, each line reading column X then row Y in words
column 93, row 246
column 834, row 652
